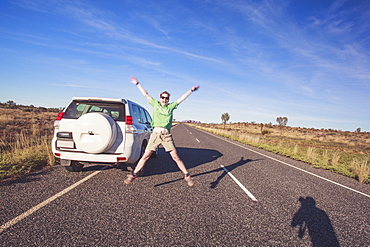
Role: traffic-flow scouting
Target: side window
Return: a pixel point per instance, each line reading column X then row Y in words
column 136, row 112
column 142, row 116
column 148, row 117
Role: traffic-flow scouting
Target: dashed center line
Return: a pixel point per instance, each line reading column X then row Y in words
column 191, row 134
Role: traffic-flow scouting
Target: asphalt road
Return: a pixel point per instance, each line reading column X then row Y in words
column 242, row 196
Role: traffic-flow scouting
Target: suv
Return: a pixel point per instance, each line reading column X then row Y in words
column 106, row 130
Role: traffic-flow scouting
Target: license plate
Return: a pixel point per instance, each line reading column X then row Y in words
column 65, row 144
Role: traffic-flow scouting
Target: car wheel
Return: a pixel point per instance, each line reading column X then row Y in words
column 143, row 147
column 94, row 133
column 74, row 167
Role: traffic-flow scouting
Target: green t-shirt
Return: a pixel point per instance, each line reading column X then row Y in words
column 162, row 115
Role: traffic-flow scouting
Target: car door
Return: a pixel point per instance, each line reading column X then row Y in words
column 146, row 120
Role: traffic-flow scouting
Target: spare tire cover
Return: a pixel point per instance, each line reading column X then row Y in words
column 94, row 132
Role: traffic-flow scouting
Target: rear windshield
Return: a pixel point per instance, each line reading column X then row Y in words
column 78, row 108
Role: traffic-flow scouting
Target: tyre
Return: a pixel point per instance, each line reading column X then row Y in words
column 94, row 133
column 74, row 167
column 142, row 151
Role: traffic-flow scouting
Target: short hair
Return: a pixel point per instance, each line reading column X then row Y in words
column 165, row 92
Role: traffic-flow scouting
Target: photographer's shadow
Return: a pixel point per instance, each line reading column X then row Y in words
column 316, row 222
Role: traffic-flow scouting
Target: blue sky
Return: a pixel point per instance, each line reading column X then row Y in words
column 308, row 60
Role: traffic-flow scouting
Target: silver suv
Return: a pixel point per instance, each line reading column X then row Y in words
column 100, row 130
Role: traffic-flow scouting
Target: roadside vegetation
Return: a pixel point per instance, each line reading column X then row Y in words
column 25, row 137
column 26, row 133
column 343, row 152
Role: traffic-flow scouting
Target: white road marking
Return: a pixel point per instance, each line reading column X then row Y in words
column 282, row 162
column 46, row 202
column 240, row 184
column 191, row 134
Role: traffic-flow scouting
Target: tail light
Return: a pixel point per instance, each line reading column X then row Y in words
column 121, row 159
column 130, row 128
column 60, row 116
column 57, row 119
column 129, row 120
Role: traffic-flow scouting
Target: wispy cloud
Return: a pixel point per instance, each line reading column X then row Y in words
column 156, row 25
column 326, row 50
column 103, row 22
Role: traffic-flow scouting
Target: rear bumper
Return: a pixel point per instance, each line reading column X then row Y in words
column 130, row 154
column 84, row 157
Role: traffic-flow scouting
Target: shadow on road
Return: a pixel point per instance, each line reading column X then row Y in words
column 20, row 179
column 163, row 164
column 316, row 222
column 231, row 167
column 192, row 157
column 195, row 157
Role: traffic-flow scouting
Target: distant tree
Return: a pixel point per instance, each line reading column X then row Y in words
column 225, row 117
column 358, row 130
column 11, row 104
column 282, row 121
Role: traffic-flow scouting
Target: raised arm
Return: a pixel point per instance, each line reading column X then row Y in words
column 141, row 89
column 185, row 95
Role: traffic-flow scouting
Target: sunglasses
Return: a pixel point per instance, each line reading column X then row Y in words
column 162, row 97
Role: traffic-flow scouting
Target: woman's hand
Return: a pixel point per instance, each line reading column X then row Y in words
column 134, row 80
column 194, row 88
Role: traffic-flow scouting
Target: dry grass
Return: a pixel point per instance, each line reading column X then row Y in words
column 361, row 168
column 334, row 139
column 312, row 155
column 325, row 157
column 326, row 149
column 25, row 137
column 335, row 158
